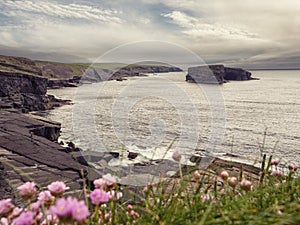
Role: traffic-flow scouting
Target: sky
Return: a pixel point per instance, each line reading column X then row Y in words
column 250, row 33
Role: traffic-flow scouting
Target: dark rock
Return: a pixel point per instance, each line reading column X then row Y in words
column 132, row 155
column 85, row 158
column 216, row 74
column 51, row 131
column 236, row 74
column 196, row 159
column 62, row 143
column 71, row 145
column 25, row 92
column 115, row 154
column 14, row 83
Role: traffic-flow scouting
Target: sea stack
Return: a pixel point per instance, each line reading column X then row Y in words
column 216, row 74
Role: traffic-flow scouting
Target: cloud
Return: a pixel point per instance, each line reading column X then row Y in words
column 218, row 31
column 196, row 28
column 69, row 11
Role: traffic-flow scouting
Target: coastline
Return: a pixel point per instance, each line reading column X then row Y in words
column 29, row 148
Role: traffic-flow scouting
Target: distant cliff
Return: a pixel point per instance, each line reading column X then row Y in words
column 216, row 74
column 70, row 74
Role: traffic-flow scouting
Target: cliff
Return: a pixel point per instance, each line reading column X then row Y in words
column 70, row 74
column 25, row 92
column 216, row 74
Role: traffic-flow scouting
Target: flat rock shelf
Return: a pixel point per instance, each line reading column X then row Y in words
column 25, row 156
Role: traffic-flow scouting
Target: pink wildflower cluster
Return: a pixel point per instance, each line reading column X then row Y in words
column 51, row 207
column 132, row 215
column 69, row 210
column 233, row 182
column 280, row 173
column 105, row 191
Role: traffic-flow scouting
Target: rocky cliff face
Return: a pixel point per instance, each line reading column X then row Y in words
column 213, row 74
column 25, row 92
column 236, row 74
column 14, row 83
column 216, row 74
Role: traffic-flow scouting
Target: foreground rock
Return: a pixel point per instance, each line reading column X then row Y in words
column 216, row 74
column 27, row 152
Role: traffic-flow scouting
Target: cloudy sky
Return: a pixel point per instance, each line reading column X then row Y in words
column 251, row 33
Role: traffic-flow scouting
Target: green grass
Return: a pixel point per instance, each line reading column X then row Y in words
column 273, row 202
column 211, row 200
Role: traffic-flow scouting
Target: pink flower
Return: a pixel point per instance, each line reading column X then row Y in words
column 197, row 175
column 109, row 179
column 16, row 212
column 276, row 173
column 134, row 213
column 4, row 221
column 205, row 198
column 51, row 219
column 246, row 185
column 99, row 196
column 35, row 206
column 80, row 212
column 222, row 191
column 63, row 208
column 70, row 209
column 115, row 195
column 26, row 218
column 27, row 190
column 107, row 216
column 224, row 175
column 232, row 182
column 45, row 198
column 57, row 188
column 6, row 207
column 275, row 162
column 100, row 183
column 292, row 167
column 176, row 155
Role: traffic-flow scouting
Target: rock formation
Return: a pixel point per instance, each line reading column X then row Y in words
column 25, row 92
column 216, row 74
column 27, row 150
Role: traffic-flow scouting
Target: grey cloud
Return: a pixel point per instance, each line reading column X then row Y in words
column 249, row 31
column 73, row 11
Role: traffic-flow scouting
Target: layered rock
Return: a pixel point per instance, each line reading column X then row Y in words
column 236, row 74
column 27, row 151
column 216, row 74
column 25, row 92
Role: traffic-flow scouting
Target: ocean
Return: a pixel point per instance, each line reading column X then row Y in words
column 156, row 114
